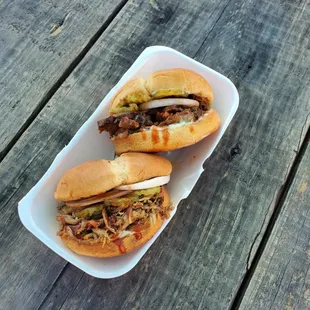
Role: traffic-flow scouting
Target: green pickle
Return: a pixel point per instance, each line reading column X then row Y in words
column 90, row 211
column 147, row 192
column 95, row 210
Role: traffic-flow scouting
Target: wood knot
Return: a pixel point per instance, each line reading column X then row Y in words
column 235, row 150
column 56, row 28
column 162, row 16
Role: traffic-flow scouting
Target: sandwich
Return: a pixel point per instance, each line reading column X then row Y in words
column 111, row 207
column 168, row 110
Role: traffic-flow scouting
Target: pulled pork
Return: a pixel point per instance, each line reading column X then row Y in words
column 125, row 124
column 110, row 219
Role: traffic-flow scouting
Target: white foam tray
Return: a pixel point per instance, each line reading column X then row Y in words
column 37, row 210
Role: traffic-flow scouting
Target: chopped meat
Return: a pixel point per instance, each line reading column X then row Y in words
column 128, row 123
column 143, row 119
column 108, row 125
column 205, row 105
column 174, row 108
column 161, row 116
column 122, row 133
column 131, row 121
column 125, row 124
column 186, row 116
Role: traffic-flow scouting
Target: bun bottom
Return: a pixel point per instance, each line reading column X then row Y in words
column 110, row 249
column 169, row 138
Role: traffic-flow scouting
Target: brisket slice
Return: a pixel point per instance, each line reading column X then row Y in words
column 128, row 123
column 185, row 116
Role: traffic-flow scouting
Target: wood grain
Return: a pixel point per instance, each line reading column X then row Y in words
column 281, row 279
column 201, row 258
column 39, row 40
column 52, row 130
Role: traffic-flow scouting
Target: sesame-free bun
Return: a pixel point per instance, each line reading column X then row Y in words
column 168, row 138
column 160, row 84
column 99, row 176
column 109, row 249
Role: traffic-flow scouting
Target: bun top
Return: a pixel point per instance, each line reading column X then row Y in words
column 99, row 176
column 160, row 84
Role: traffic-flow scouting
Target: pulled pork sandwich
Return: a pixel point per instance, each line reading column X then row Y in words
column 168, row 110
column 112, row 207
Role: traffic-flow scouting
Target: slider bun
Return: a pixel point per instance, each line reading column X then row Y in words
column 168, row 138
column 99, row 176
column 97, row 249
column 160, row 84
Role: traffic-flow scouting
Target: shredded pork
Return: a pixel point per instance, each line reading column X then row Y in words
column 109, row 219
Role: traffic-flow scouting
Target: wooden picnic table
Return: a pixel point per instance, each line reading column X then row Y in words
column 242, row 237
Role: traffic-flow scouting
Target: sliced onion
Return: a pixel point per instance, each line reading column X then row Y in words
column 167, row 102
column 95, row 199
column 145, row 184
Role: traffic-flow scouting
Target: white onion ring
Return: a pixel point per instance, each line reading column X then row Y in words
column 167, row 102
column 145, row 184
column 95, row 199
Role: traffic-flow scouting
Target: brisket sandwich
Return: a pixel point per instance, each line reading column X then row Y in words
column 168, row 110
column 112, row 207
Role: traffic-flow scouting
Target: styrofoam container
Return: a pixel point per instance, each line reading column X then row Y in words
column 38, row 209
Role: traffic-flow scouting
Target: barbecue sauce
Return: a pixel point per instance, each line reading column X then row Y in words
column 155, row 136
column 119, row 243
column 166, row 135
column 137, row 231
column 144, row 136
column 138, row 236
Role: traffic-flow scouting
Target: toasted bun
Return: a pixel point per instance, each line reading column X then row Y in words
column 98, row 176
column 178, row 82
column 132, row 92
column 129, row 243
column 165, row 83
column 172, row 137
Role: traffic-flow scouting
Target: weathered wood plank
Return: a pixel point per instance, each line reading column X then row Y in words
column 39, row 40
column 62, row 288
column 282, row 279
column 55, row 126
column 200, row 259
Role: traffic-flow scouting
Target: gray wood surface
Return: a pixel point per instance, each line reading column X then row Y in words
column 200, row 259
column 39, row 40
column 282, row 279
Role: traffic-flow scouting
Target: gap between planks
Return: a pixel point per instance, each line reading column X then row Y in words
column 50, row 93
column 277, row 209
column 53, row 286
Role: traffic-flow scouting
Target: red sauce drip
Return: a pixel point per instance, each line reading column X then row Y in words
column 155, row 136
column 138, row 236
column 137, row 231
column 120, row 245
column 144, row 136
column 166, row 135
column 191, row 128
column 137, row 227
